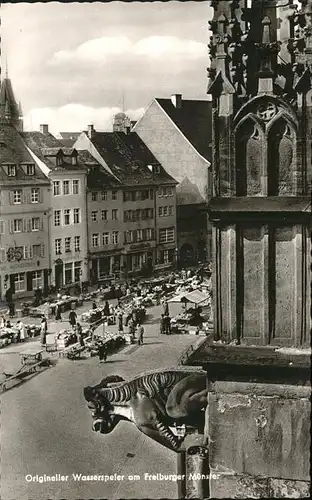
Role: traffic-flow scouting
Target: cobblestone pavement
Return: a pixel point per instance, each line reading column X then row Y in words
column 46, row 428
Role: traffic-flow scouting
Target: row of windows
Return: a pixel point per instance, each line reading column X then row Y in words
column 29, row 169
column 22, row 253
column 70, row 216
column 166, row 256
column 139, row 214
column 104, row 213
column 95, row 195
column 70, row 244
column 145, row 194
column 107, row 239
column 66, row 187
column 20, row 281
column 165, row 211
column 165, row 191
column 18, row 196
column 22, row 225
column 139, row 235
column 166, row 235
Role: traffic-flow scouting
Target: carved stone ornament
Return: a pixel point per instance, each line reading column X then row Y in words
column 163, row 405
column 266, row 111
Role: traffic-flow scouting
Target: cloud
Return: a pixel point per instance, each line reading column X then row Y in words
column 158, row 46
column 99, row 49
column 75, row 118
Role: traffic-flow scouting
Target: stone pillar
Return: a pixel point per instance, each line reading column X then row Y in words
column 181, row 471
column 197, row 472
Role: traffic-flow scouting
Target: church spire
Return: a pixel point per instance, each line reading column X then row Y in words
column 9, row 108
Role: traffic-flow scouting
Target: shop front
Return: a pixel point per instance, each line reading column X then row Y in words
column 67, row 274
column 105, row 267
column 139, row 260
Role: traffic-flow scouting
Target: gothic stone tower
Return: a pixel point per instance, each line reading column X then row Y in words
column 260, row 82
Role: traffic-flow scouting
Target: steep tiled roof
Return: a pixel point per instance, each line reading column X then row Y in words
column 194, row 119
column 128, row 158
column 46, row 146
column 98, row 177
column 13, row 151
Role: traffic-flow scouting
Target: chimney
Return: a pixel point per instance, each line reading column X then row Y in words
column 44, row 129
column 176, row 100
column 90, row 131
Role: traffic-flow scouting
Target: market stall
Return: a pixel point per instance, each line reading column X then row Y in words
column 191, row 319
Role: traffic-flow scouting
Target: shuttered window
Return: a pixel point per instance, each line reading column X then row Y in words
column 2, row 255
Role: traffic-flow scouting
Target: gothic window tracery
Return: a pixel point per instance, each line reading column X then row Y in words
column 249, row 140
column 281, row 140
column 265, row 142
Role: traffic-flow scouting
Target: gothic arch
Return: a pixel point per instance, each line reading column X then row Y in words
column 249, row 140
column 281, row 156
column 251, row 106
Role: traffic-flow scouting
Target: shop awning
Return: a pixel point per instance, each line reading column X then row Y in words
column 195, row 297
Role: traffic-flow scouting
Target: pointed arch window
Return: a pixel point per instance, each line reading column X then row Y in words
column 249, row 159
column 281, row 157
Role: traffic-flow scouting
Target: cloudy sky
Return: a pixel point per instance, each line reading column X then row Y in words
column 71, row 64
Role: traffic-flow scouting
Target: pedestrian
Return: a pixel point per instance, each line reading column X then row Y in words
column 162, row 324
column 131, row 326
column 106, row 309
column 79, row 334
column 120, row 324
column 2, row 321
column 140, row 331
column 167, row 322
column 102, row 352
column 43, row 331
column 22, row 331
column 134, row 317
column 9, row 299
column 58, row 312
column 72, row 318
column 58, row 295
column 166, row 308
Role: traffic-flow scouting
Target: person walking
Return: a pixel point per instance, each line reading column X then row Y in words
column 167, row 325
column 166, row 308
column 120, row 323
column 131, row 326
column 72, row 318
column 140, row 330
column 162, row 324
column 102, row 352
column 106, row 309
column 22, row 331
column 79, row 334
column 43, row 331
column 58, row 316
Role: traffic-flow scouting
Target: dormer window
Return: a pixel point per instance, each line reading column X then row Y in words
column 156, row 169
column 30, row 169
column 59, row 160
column 12, row 171
column 74, row 160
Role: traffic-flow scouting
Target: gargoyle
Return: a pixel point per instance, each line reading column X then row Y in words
column 158, row 403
